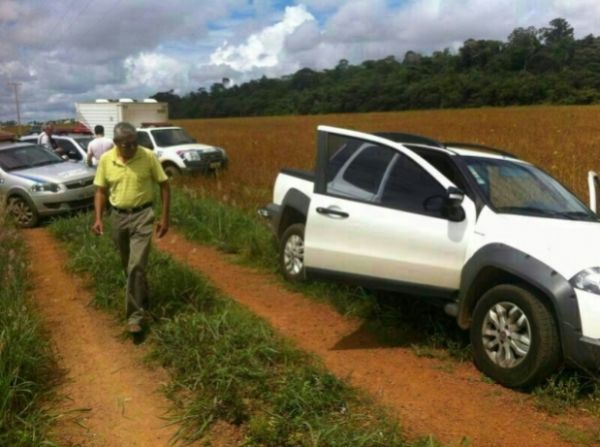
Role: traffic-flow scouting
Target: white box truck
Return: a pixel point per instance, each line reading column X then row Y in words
column 108, row 113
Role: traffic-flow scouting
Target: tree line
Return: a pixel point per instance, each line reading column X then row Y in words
column 534, row 66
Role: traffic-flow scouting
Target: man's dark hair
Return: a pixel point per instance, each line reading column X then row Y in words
column 99, row 130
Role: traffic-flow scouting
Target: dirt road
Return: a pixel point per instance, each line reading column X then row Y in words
column 452, row 405
column 111, row 399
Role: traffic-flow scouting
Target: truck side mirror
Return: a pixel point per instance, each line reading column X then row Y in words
column 593, row 184
column 453, row 209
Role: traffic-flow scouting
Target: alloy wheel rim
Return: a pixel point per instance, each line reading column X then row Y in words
column 21, row 212
column 293, row 254
column 506, row 334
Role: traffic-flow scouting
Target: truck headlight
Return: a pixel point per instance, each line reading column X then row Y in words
column 190, row 155
column 39, row 187
column 588, row 280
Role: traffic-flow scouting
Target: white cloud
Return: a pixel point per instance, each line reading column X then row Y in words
column 305, row 37
column 9, row 11
column 321, row 5
column 157, row 71
column 262, row 49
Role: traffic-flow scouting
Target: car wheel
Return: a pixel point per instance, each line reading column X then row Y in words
column 514, row 336
column 171, row 170
column 291, row 253
column 24, row 213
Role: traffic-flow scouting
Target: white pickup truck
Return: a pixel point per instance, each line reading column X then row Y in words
column 511, row 252
column 178, row 152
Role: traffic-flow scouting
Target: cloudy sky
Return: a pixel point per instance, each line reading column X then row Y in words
column 67, row 51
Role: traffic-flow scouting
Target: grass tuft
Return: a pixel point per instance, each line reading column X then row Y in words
column 27, row 370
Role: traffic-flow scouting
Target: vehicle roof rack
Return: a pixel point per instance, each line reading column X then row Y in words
column 481, row 147
column 409, row 138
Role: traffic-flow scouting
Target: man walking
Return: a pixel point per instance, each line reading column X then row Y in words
column 98, row 146
column 127, row 174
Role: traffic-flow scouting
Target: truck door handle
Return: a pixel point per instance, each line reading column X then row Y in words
column 330, row 212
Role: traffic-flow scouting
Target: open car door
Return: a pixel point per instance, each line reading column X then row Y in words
column 594, row 185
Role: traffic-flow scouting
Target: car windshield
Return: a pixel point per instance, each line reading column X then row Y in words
column 518, row 188
column 171, row 137
column 27, row 157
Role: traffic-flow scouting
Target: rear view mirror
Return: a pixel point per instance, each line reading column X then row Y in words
column 450, row 204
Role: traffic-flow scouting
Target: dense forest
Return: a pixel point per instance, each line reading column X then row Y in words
column 546, row 65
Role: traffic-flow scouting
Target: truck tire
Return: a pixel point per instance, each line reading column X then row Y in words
column 291, row 253
column 23, row 211
column 514, row 336
column 171, row 170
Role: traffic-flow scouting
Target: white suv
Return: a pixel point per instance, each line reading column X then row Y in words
column 178, row 152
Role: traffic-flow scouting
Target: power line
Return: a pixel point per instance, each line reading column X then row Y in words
column 15, row 86
column 62, row 34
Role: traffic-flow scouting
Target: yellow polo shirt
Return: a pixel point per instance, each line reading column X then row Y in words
column 131, row 183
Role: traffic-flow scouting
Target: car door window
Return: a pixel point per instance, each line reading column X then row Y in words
column 356, row 168
column 143, row 139
column 411, row 188
column 69, row 148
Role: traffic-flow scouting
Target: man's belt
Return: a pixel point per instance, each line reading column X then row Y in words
column 135, row 209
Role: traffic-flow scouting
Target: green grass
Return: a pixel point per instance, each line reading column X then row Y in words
column 207, row 220
column 568, row 389
column 228, row 365
column 27, row 370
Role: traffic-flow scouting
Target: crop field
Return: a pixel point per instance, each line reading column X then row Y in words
column 563, row 140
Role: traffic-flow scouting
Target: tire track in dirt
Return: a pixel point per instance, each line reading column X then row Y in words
column 428, row 400
column 112, row 399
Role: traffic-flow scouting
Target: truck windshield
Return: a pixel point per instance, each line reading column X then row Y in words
column 27, row 157
column 171, row 137
column 83, row 142
column 518, row 188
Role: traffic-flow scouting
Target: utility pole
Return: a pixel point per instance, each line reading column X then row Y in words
column 15, row 86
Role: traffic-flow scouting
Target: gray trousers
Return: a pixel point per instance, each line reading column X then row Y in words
column 132, row 233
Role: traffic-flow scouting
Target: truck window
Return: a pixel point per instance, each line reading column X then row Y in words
column 355, row 167
column 442, row 163
column 339, row 149
column 143, row 139
column 367, row 168
column 409, row 186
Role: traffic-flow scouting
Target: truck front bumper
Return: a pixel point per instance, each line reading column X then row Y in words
column 581, row 351
column 582, row 338
column 205, row 164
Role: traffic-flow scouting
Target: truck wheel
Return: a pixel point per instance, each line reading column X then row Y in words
column 514, row 336
column 291, row 253
column 171, row 170
column 24, row 213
